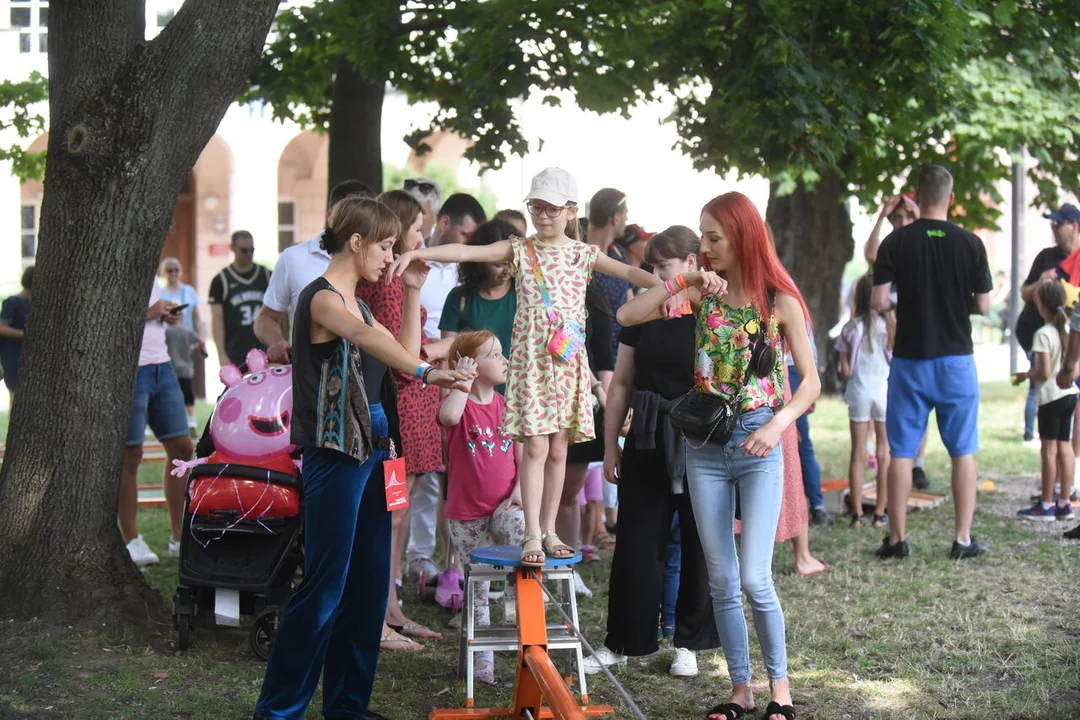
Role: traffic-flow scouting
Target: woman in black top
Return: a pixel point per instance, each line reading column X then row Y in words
column 655, row 367
column 343, row 433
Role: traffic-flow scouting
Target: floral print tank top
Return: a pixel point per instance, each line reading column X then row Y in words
column 724, row 345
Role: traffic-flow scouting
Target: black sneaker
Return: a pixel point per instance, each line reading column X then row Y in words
column 963, row 552
column 919, row 479
column 1073, row 534
column 893, row 550
column 820, row 516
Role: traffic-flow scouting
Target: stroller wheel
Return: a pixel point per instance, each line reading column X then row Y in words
column 183, row 627
column 263, row 629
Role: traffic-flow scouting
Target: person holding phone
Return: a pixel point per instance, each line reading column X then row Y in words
column 159, row 403
column 185, row 338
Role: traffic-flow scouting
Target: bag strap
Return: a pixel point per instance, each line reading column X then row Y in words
column 534, row 261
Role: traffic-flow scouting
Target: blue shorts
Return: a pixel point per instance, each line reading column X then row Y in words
column 158, row 403
column 948, row 385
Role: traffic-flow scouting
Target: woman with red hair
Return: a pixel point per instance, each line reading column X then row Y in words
column 748, row 311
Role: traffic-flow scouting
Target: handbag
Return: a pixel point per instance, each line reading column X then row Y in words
column 706, row 418
column 568, row 337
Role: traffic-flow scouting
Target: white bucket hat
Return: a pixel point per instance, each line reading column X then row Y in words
column 555, row 186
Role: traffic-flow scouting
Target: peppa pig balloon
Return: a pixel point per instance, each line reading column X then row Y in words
column 251, row 421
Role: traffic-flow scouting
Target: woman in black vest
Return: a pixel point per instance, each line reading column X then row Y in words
column 344, row 426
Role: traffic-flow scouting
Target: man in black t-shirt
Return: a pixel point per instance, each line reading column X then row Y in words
column 1044, row 267
column 941, row 276
column 236, row 294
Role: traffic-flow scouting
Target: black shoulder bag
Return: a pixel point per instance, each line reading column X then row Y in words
column 703, row 418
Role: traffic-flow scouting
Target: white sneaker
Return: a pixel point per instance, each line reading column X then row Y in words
column 602, row 658
column 174, row 548
column 580, row 588
column 140, row 552
column 684, row 664
column 424, row 565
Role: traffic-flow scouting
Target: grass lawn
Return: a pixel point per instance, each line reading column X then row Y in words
column 927, row 637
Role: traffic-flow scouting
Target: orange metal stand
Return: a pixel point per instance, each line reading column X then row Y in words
column 538, row 681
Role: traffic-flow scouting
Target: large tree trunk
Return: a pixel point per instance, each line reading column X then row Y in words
column 128, row 121
column 813, row 238
column 356, row 127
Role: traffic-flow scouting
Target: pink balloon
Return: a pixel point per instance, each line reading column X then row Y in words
column 252, row 419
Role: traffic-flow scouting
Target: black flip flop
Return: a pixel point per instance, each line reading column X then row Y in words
column 776, row 708
column 730, row 711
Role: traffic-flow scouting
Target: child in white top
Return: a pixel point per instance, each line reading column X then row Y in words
column 1056, row 405
column 865, row 347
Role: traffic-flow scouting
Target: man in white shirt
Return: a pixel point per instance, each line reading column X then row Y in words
column 458, row 218
column 158, row 403
column 296, row 267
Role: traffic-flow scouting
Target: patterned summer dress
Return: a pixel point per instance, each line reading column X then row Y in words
column 543, row 395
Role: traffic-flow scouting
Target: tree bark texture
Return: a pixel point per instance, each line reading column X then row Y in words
column 356, row 127
column 128, row 121
column 813, row 238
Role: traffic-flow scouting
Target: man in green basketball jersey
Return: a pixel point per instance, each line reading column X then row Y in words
column 236, row 294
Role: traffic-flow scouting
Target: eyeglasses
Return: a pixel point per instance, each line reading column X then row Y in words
column 425, row 187
column 545, row 209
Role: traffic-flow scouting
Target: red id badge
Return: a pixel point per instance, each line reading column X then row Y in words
column 397, row 496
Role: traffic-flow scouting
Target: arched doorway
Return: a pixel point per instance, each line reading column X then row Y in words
column 302, row 179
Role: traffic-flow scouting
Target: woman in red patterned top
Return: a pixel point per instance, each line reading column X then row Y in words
column 418, row 405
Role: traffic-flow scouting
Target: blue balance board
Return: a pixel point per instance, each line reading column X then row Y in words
column 510, row 556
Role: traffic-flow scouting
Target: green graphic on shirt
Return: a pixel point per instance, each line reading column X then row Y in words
column 936, row 233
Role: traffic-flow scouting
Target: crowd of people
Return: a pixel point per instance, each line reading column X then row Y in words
column 552, row 388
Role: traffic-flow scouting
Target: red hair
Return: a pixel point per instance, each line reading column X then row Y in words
column 761, row 268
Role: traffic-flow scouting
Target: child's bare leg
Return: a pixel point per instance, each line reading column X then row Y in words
column 1066, row 466
column 568, row 523
column 882, row 468
column 533, row 458
column 554, row 475
column 857, row 464
column 1049, row 469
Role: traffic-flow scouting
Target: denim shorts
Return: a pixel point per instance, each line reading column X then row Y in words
column 948, row 385
column 158, row 403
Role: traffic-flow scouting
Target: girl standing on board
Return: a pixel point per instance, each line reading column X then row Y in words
column 746, row 301
column 547, row 398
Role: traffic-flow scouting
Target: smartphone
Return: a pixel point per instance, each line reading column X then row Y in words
column 178, row 309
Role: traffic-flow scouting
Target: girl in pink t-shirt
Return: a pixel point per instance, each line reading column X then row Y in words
column 483, row 500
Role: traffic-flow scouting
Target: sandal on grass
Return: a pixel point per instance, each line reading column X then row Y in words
column 606, row 542
column 556, row 548
column 393, row 640
column 728, row 711
column 776, row 708
column 413, row 629
column 532, row 546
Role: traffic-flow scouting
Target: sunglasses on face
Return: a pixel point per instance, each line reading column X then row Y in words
column 551, row 211
column 424, row 187
column 243, row 251
column 172, row 271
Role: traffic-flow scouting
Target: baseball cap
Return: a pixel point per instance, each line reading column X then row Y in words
column 553, row 185
column 1068, row 213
